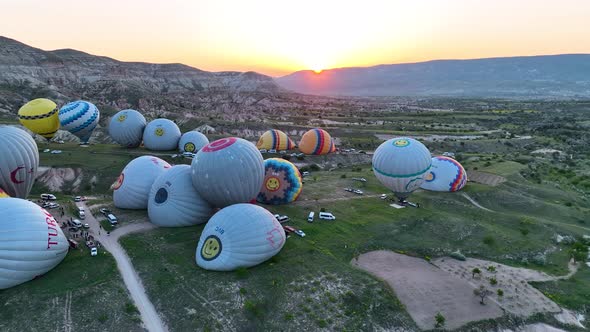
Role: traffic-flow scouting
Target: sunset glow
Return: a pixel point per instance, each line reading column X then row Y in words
column 277, row 38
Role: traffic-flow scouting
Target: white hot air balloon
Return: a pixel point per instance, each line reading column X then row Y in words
column 446, row 174
column 19, row 160
column 228, row 171
column 79, row 118
column 126, row 128
column 161, row 135
column 192, row 142
column 401, row 164
column 132, row 188
column 31, row 242
column 174, row 202
column 240, row 235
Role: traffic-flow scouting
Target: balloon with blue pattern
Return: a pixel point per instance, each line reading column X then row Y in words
column 79, row 118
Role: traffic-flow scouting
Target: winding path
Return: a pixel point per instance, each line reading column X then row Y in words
column 150, row 317
column 475, row 202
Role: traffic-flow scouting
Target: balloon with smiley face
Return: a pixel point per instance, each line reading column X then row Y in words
column 19, row 160
column 401, row 164
column 282, row 182
column 161, row 135
column 126, row 128
column 239, row 236
column 192, row 141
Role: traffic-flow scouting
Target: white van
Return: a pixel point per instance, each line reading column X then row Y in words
column 310, row 217
column 327, row 216
column 77, row 223
column 112, row 219
column 81, row 213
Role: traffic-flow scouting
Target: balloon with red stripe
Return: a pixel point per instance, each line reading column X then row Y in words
column 316, row 141
column 446, row 174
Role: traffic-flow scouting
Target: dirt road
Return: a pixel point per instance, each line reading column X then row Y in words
column 151, row 319
column 476, row 204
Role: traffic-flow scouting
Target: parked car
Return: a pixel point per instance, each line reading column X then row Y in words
column 383, row 196
column 289, row 229
column 360, row 179
column 104, row 211
column 282, row 152
column 77, row 199
column 52, row 206
column 76, row 223
column 272, row 151
column 300, row 233
column 81, row 213
column 93, row 251
column 262, row 150
column 327, row 216
column 55, row 151
column 86, row 226
column 50, row 197
column 358, row 192
column 188, row 154
column 349, row 189
column 310, row 216
column 281, row 219
column 46, row 150
column 305, row 173
column 112, row 219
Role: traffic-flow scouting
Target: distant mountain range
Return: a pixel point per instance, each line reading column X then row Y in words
column 551, row 76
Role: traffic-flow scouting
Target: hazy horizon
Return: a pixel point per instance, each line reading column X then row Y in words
column 278, row 39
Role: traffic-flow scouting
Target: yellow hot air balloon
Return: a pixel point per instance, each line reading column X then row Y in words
column 40, row 116
column 316, row 141
column 275, row 139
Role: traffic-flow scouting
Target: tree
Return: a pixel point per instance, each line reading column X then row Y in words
column 440, row 320
column 475, row 271
column 482, row 292
column 493, row 281
column 500, row 292
column 578, row 252
column 491, row 268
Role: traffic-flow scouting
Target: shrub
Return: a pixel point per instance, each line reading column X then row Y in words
column 489, row 240
column 242, row 273
column 493, row 281
column 458, row 256
column 440, row 320
column 500, row 292
column 343, row 176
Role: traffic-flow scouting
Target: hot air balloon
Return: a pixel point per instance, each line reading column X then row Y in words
column 275, row 140
column 238, row 236
column 192, row 142
column 126, row 128
column 315, row 141
column 3, row 194
column 332, row 147
column 19, row 159
column 446, row 174
column 161, row 135
column 79, row 118
column 282, row 182
column 132, row 188
column 401, row 164
column 228, row 171
column 31, row 242
column 40, row 116
column 174, row 202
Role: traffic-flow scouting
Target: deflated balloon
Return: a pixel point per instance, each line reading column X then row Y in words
column 282, row 182
column 315, row 141
column 40, row 116
column 126, row 128
column 446, row 174
column 401, row 164
column 31, row 242
column 132, row 188
column 19, row 160
column 192, row 142
column 238, row 236
column 174, row 202
column 161, row 135
column 275, row 140
column 228, row 171
column 79, row 118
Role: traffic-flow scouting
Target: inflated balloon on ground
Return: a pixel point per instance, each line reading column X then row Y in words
column 228, row 171
column 192, row 142
column 174, row 202
column 275, row 140
column 79, row 118
column 126, row 128
column 401, row 164
column 40, row 116
column 282, row 182
column 19, row 160
column 239, row 236
column 446, row 174
column 161, row 135
column 31, row 242
column 132, row 188
column 315, row 141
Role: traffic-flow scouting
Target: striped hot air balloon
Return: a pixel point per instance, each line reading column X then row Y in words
column 446, row 174
column 19, row 160
column 79, row 118
column 275, row 140
column 40, row 116
column 315, row 141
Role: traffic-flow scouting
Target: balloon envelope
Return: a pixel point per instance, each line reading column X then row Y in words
column 174, row 202
column 228, row 171
column 126, row 128
column 19, row 160
column 3, row 194
column 446, row 174
column 161, row 135
column 282, row 182
column 401, row 164
column 240, row 235
column 132, row 188
column 315, row 141
column 79, row 118
column 40, row 116
column 275, row 139
column 31, row 242
column 192, row 142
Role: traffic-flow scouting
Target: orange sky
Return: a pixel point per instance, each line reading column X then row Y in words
column 279, row 37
